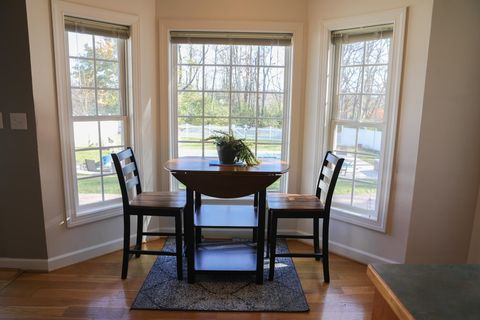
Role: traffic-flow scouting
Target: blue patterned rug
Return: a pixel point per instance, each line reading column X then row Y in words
column 222, row 292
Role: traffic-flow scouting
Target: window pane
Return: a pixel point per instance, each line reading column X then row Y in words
column 189, row 78
column 367, row 168
column 210, row 149
column 348, row 164
column 83, row 102
column 271, row 80
column 373, row 108
column 81, row 73
column 244, row 55
column 109, row 103
column 189, row 149
column 87, row 163
column 344, row 138
column 89, row 190
column 377, row 51
column 111, row 187
column 107, row 74
column 375, row 79
column 352, row 53
column 274, row 187
column 86, row 134
column 244, row 79
column 80, row 45
column 189, row 103
column 217, row 78
column 348, row 106
column 270, row 130
column 271, row 151
column 190, row 129
column 106, row 48
column 272, row 55
column 343, row 191
column 364, row 195
column 107, row 163
column 270, row 105
column 350, row 79
column 217, row 54
column 244, row 128
column 189, row 53
column 112, row 133
column 215, row 124
column 217, row 104
column 244, row 104
column 369, row 140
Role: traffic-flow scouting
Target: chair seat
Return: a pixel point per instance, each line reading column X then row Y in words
column 294, row 202
column 159, row 200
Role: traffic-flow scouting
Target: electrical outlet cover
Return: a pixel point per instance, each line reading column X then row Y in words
column 18, row 121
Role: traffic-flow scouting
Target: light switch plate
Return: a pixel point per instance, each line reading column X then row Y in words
column 18, row 121
column 1, row 120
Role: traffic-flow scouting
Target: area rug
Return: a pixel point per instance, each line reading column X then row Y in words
column 222, row 291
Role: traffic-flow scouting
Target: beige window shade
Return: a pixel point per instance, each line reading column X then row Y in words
column 362, row 34
column 238, row 38
column 98, row 28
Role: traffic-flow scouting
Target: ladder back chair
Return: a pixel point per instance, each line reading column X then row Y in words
column 301, row 206
column 163, row 204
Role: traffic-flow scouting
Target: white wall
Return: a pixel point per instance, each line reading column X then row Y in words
column 104, row 235
column 361, row 243
column 448, row 171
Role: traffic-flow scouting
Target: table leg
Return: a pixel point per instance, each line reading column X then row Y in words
column 189, row 236
column 261, row 235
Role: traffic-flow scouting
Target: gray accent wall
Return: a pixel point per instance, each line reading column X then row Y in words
column 22, row 231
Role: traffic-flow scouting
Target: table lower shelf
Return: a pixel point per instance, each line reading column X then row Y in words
column 226, row 216
column 226, row 256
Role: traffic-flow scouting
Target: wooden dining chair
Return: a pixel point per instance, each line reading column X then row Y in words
column 163, row 204
column 301, row 206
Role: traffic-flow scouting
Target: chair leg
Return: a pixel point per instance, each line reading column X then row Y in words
column 198, row 235
column 269, row 232
column 273, row 247
column 316, row 237
column 326, row 271
column 138, row 245
column 179, row 246
column 126, row 244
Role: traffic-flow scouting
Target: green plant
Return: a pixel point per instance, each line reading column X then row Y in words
column 243, row 152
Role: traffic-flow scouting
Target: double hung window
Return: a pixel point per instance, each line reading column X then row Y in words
column 360, row 111
column 230, row 82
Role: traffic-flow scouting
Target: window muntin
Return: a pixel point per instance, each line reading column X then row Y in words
column 359, row 117
column 98, row 113
column 237, row 87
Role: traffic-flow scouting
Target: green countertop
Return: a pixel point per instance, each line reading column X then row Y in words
column 435, row 291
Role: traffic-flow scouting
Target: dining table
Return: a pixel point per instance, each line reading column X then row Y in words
column 204, row 176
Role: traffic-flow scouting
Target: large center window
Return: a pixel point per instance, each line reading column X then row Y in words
column 231, row 82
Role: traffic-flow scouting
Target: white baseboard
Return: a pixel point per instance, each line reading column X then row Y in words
column 113, row 245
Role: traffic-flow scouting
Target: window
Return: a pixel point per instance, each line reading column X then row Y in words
column 231, row 82
column 92, row 62
column 363, row 102
column 96, row 64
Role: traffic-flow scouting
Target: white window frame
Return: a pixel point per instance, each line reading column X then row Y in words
column 60, row 9
column 397, row 18
column 285, row 118
column 296, row 83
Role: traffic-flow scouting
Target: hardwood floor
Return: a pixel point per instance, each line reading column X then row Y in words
column 94, row 290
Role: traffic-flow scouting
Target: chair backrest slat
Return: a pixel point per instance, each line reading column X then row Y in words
column 328, row 179
column 129, row 168
column 127, row 174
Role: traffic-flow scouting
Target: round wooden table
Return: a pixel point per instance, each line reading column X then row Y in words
column 200, row 176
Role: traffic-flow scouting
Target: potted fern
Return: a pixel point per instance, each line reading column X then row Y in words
column 231, row 150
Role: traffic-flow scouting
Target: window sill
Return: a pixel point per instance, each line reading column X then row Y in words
column 358, row 220
column 93, row 215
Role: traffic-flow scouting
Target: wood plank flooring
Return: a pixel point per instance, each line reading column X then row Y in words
column 94, row 290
